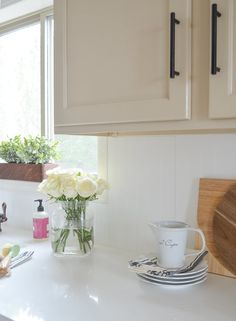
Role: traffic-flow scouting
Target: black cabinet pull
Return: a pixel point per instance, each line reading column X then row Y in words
column 173, row 22
column 215, row 14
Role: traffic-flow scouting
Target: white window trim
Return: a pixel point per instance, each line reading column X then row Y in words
column 24, row 19
column 23, row 8
column 47, row 96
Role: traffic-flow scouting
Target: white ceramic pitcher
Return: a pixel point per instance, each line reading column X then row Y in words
column 171, row 238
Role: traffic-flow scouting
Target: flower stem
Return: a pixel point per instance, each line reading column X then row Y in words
column 75, row 228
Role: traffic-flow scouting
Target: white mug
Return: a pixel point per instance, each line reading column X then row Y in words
column 171, row 237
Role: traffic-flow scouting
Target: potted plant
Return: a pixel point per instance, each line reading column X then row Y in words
column 27, row 159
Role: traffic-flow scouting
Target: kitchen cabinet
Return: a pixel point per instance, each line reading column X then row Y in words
column 112, row 62
column 222, row 89
column 112, row 67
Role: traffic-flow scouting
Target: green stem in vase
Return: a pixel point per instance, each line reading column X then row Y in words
column 84, row 237
column 75, row 228
column 61, row 241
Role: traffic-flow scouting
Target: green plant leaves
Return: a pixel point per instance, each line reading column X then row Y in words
column 28, row 150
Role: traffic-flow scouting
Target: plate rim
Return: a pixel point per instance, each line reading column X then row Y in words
column 167, row 282
column 171, row 284
column 174, row 278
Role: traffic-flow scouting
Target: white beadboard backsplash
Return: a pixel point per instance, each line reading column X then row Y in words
column 151, row 178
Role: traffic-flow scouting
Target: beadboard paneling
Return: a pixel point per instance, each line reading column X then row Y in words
column 151, row 178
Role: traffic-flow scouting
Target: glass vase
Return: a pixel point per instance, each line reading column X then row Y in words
column 72, row 229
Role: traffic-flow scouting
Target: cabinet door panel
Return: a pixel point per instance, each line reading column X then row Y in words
column 121, row 55
column 112, row 61
column 222, row 91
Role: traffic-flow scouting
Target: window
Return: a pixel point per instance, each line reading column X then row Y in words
column 26, row 87
column 78, row 151
column 20, row 81
column 25, row 76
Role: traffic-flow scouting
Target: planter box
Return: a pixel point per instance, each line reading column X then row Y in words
column 25, row 172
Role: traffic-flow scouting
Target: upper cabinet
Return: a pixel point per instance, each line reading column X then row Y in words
column 121, row 61
column 125, row 66
column 222, row 103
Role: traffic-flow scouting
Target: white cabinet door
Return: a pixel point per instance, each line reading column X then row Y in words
column 112, row 62
column 222, row 91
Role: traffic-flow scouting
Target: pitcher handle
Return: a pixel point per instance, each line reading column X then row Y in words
column 152, row 225
column 197, row 230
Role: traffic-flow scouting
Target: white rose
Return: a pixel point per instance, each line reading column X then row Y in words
column 53, row 186
column 43, row 187
column 102, row 185
column 86, row 187
column 69, row 185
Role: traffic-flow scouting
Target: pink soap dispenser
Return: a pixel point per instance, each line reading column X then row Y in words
column 40, row 222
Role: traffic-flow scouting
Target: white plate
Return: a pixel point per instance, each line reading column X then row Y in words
column 174, row 278
column 168, row 282
column 202, row 266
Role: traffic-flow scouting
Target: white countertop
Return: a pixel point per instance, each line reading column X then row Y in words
column 100, row 288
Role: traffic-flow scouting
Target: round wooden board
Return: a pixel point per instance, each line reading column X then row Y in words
column 211, row 194
column 224, row 230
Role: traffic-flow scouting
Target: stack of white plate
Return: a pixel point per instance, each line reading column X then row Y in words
column 195, row 276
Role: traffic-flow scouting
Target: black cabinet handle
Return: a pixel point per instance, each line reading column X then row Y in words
column 173, row 22
column 215, row 14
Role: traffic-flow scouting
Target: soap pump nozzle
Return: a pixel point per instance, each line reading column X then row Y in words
column 40, row 208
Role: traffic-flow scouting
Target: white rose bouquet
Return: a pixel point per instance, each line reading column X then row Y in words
column 73, row 188
column 71, row 184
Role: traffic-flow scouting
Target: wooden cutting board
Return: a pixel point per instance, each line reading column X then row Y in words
column 224, row 230
column 212, row 192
